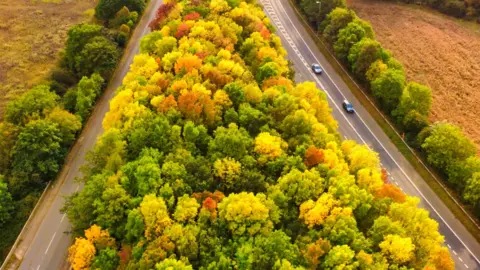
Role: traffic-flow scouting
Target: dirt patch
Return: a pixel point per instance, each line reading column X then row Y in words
column 435, row 50
column 31, row 35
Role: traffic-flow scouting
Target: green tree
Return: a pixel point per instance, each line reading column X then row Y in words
column 106, row 9
column 87, row 91
column 8, row 136
column 446, row 145
column 77, row 37
column 266, row 71
column 148, row 42
column 414, row 97
column 339, row 257
column 6, row 202
column 472, row 190
column 31, row 105
column 230, row 142
column 172, row 264
column 414, row 122
column 38, row 149
column 461, row 171
column 387, row 88
column 67, row 123
column 99, row 55
column 349, row 35
column 336, row 20
column 106, row 259
column 317, row 12
column 363, row 54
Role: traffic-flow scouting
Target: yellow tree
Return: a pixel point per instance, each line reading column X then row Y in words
column 269, row 147
column 81, row 254
column 398, row 249
column 315, row 213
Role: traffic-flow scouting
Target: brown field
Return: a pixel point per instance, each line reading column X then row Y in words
column 435, row 50
column 31, row 34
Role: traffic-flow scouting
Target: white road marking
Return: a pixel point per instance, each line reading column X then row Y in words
column 386, row 151
column 38, row 267
column 62, row 218
column 77, row 188
column 460, row 259
column 396, row 182
column 449, row 246
column 51, row 240
column 454, row 252
column 466, row 265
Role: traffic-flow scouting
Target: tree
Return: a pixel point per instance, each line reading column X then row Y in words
column 81, row 254
column 172, row 264
column 6, row 202
column 398, row 249
column 38, row 149
column 336, row 20
column 87, row 91
column 247, row 214
column 316, row 13
column 414, row 97
column 148, row 42
column 375, row 69
column 387, row 89
column 106, row 259
column 67, row 123
column 472, row 190
column 8, row 136
column 339, row 257
column 230, row 142
column 31, row 105
column 348, row 36
column 266, row 71
column 384, row 226
column 106, row 9
column 77, row 37
column 446, row 145
column 99, row 55
column 363, row 54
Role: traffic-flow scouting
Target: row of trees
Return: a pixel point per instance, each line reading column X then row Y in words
column 408, row 103
column 214, row 158
column 42, row 124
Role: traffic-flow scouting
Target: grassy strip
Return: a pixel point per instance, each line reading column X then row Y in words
column 414, row 159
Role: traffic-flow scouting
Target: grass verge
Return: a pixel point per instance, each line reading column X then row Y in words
column 448, row 196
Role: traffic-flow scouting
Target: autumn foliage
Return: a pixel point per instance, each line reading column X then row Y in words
column 212, row 158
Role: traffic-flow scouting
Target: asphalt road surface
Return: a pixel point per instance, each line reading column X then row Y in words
column 49, row 248
column 361, row 127
column 50, row 245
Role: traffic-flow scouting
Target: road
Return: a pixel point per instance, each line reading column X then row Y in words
column 50, row 244
column 363, row 128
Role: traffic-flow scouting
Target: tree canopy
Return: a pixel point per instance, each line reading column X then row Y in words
column 212, row 158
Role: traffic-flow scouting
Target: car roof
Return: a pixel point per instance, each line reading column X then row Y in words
column 315, row 65
column 346, row 101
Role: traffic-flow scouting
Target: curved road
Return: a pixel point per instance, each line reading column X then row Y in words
column 302, row 51
column 49, row 247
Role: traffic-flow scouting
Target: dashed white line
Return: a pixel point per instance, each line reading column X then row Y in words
column 449, row 246
column 454, row 252
column 38, row 267
column 466, row 265
column 51, row 240
column 77, row 188
column 460, row 259
column 62, row 218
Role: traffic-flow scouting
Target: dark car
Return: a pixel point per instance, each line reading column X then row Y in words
column 316, row 68
column 348, row 106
